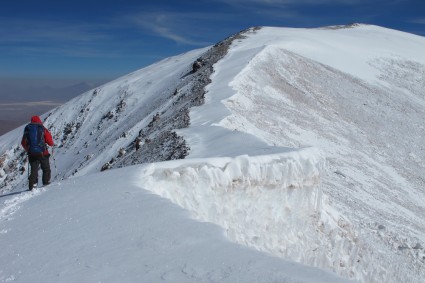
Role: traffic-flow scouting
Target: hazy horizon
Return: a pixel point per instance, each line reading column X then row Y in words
column 22, row 98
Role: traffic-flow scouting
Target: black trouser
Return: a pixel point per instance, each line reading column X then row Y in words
column 35, row 163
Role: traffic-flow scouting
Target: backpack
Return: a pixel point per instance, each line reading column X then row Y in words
column 35, row 137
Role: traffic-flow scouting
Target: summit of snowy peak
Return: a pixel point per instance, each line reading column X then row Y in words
column 354, row 51
column 346, row 26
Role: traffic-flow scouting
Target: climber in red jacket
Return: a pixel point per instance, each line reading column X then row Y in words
column 35, row 140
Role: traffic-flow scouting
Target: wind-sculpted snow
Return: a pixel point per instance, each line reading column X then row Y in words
column 273, row 203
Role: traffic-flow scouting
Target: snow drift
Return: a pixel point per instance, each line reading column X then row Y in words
column 275, row 204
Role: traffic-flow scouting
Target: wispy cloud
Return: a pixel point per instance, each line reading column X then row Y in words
column 420, row 21
column 181, row 27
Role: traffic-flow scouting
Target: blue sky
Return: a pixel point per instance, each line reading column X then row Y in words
column 100, row 40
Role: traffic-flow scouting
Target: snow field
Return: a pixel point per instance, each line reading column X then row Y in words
column 104, row 228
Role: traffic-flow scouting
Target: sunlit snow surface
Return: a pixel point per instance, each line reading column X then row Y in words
column 105, row 228
column 310, row 147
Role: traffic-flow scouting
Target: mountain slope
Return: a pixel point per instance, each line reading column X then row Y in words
column 354, row 92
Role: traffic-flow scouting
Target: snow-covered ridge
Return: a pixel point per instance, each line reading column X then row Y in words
column 254, row 117
column 356, row 93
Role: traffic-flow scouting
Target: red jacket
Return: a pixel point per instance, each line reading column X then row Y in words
column 47, row 136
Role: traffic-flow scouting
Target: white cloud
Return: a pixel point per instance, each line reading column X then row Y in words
column 181, row 27
column 420, row 21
